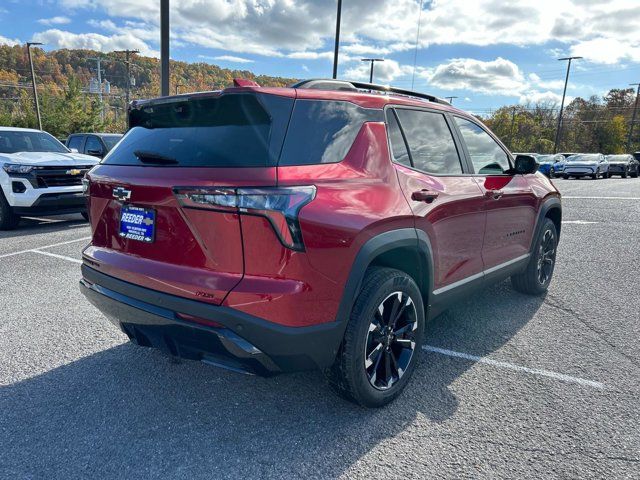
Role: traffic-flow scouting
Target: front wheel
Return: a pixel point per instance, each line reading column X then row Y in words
column 536, row 277
column 383, row 339
column 552, row 173
column 625, row 174
column 8, row 219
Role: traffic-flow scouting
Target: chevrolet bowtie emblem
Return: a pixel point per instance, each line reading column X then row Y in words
column 121, row 193
column 74, row 171
column 147, row 221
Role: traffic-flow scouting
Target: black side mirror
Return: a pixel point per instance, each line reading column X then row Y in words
column 525, row 164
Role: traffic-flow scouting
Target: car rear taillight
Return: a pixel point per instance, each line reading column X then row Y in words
column 280, row 205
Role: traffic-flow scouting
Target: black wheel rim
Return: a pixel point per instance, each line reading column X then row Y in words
column 546, row 257
column 391, row 340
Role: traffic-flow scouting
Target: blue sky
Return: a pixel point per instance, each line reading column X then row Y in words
column 486, row 52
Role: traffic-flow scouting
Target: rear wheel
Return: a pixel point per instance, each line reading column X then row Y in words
column 383, row 339
column 535, row 279
column 565, row 176
column 8, row 219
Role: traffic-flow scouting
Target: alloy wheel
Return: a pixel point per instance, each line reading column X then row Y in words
column 546, row 257
column 391, row 341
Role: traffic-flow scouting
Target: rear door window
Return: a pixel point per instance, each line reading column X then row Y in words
column 487, row 156
column 322, row 131
column 399, row 150
column 231, row 130
column 431, row 143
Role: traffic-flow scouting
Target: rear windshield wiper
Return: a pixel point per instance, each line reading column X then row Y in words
column 152, row 157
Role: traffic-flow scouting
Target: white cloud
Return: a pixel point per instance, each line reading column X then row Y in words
column 9, row 41
column 55, row 21
column 382, row 27
column 606, row 50
column 384, row 72
column 231, row 58
column 55, row 38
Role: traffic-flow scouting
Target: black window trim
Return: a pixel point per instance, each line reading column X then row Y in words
column 473, row 173
column 462, row 154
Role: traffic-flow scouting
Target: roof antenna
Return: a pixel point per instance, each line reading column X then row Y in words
column 415, row 53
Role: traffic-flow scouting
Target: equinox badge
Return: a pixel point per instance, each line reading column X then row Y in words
column 121, row 193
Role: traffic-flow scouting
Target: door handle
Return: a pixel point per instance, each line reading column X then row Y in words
column 495, row 194
column 424, row 195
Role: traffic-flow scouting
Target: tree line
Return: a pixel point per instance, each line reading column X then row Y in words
column 63, row 78
column 597, row 124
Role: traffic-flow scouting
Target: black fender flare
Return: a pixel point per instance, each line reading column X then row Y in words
column 374, row 247
column 547, row 205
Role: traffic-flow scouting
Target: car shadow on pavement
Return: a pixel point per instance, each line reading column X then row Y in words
column 130, row 412
column 38, row 226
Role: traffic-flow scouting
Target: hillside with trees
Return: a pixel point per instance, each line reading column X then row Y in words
column 596, row 124
column 64, row 78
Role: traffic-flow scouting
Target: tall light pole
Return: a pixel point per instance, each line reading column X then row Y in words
column 633, row 117
column 99, row 72
column 566, row 81
column 373, row 61
column 33, row 82
column 164, row 48
column 337, row 46
column 450, row 99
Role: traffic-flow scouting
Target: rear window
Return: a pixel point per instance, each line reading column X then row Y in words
column 233, row 130
column 322, row 131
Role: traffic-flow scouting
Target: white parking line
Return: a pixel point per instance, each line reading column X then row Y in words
column 600, row 198
column 46, row 246
column 578, row 222
column 519, row 368
column 55, row 255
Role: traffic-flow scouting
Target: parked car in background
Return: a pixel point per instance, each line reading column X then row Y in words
column 271, row 230
column 567, row 154
column 623, row 165
column 94, row 144
column 592, row 165
column 551, row 165
column 39, row 176
column 636, row 155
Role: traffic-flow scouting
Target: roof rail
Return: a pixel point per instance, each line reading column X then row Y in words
column 321, row 84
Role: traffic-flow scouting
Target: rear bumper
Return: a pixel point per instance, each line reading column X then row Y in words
column 242, row 342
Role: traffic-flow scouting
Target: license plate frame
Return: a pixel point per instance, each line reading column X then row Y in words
column 137, row 223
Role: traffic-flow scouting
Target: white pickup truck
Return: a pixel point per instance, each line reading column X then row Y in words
column 39, row 176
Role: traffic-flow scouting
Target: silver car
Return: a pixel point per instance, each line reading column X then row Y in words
column 592, row 165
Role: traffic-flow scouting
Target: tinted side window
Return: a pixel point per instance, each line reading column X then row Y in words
column 323, row 131
column 93, row 145
column 398, row 146
column 76, row 142
column 430, row 142
column 487, row 156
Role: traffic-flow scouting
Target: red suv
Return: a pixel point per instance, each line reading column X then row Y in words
column 270, row 230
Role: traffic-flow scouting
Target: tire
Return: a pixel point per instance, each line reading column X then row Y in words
column 8, row 219
column 350, row 376
column 625, row 174
column 605, row 175
column 532, row 281
column 595, row 175
column 565, row 176
column 85, row 215
column 634, row 175
column 552, row 173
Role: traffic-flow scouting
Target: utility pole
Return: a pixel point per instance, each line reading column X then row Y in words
column 450, row 99
column 164, row 48
column 127, row 62
column 566, row 81
column 633, row 117
column 513, row 122
column 178, row 85
column 99, row 72
column 373, row 61
column 337, row 46
column 33, row 82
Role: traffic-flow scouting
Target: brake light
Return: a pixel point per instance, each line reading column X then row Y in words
column 280, row 205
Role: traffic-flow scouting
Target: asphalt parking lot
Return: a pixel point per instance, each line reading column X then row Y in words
column 508, row 386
